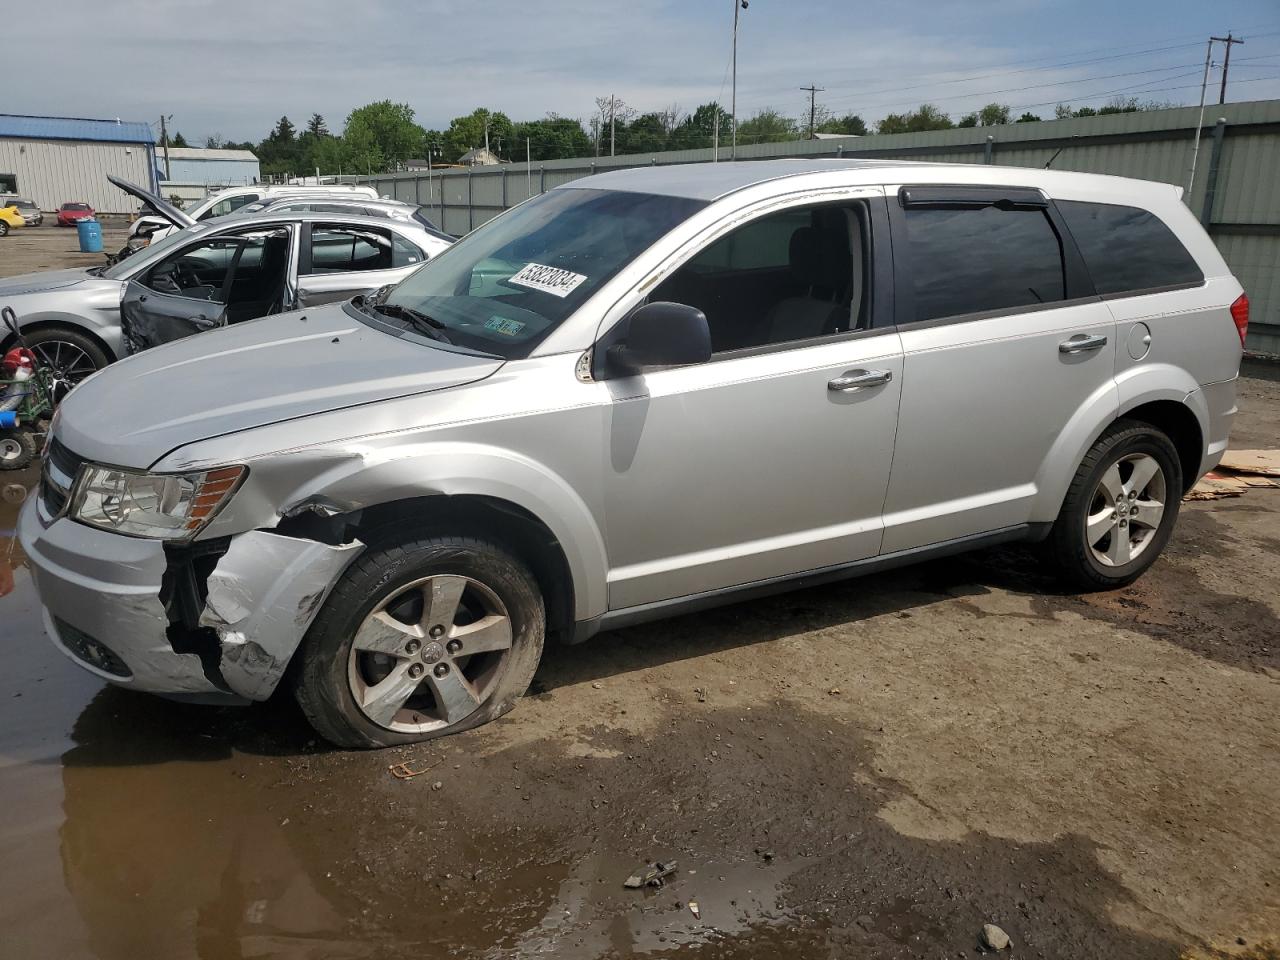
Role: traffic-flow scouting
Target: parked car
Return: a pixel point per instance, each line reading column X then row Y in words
column 151, row 224
column 69, row 214
column 369, row 208
column 215, row 273
column 27, row 208
column 10, row 218
column 639, row 394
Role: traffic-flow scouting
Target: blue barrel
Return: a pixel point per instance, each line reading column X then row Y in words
column 90, row 234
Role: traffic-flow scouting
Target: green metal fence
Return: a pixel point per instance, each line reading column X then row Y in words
column 1236, row 189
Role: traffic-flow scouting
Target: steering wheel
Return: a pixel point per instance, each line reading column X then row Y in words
column 186, row 276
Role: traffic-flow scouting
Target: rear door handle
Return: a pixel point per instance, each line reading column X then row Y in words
column 1082, row 342
column 857, row 379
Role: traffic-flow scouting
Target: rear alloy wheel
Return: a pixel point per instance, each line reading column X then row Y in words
column 1120, row 508
column 419, row 640
column 4, row 229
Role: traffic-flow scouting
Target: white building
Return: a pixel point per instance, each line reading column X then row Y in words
column 55, row 160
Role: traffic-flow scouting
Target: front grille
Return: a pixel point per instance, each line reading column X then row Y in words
column 56, row 477
column 91, row 651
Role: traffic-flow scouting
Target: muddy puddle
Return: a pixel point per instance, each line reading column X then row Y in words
column 138, row 828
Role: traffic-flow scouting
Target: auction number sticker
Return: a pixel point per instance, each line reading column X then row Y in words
column 552, row 280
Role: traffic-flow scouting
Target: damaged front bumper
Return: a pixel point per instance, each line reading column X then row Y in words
column 206, row 621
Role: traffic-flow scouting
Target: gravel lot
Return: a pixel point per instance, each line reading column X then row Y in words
column 869, row 769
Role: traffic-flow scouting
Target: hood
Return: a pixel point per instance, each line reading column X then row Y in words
column 256, row 373
column 40, row 282
column 163, row 207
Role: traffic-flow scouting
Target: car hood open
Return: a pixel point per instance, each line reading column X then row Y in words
column 256, row 373
column 163, row 207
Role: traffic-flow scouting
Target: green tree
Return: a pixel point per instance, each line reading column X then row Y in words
column 179, row 140
column 850, row 125
column 647, row 133
column 383, row 134
column 968, row 120
column 467, row 132
column 993, row 115
column 551, row 138
column 697, row 130
column 767, row 126
column 278, row 153
column 316, row 126
column 1028, row 117
column 924, row 117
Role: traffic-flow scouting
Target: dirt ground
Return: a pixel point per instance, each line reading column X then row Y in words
column 872, row 769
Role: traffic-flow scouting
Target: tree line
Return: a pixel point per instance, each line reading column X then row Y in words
column 384, row 136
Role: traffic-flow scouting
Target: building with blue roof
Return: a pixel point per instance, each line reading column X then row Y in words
column 55, row 160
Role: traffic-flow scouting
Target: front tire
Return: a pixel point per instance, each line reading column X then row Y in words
column 68, row 356
column 4, row 229
column 421, row 639
column 1120, row 508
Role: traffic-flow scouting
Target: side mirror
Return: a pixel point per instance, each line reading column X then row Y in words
column 660, row 334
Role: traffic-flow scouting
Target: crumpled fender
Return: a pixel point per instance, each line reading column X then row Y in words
column 369, row 477
column 263, row 594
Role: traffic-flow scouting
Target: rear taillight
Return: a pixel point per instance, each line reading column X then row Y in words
column 1240, row 314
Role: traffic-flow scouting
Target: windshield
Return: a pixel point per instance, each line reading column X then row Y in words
column 504, row 287
column 75, row 206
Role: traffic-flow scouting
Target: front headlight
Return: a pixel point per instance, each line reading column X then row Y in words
column 162, row 506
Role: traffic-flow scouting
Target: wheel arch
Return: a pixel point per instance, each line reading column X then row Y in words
column 486, row 517
column 33, row 323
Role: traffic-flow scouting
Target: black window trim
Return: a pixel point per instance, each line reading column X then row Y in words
column 881, row 289
column 1078, row 285
column 304, row 247
column 1138, row 291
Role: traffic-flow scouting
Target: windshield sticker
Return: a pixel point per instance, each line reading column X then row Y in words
column 504, row 325
column 552, row 280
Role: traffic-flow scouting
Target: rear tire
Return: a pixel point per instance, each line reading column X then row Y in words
column 1119, row 510
column 420, row 639
column 4, row 228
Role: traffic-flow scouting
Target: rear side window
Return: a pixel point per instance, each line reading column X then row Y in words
column 974, row 260
column 1127, row 249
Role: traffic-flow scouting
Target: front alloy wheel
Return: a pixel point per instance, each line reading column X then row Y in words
column 427, row 654
column 421, row 638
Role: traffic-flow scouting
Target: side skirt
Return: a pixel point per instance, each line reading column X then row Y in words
column 661, row 609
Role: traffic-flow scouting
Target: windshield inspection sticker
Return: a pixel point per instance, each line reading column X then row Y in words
column 552, row 280
column 504, row 325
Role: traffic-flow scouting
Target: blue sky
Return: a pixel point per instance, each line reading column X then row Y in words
column 232, row 67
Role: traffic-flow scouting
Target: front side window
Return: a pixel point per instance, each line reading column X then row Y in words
column 979, row 259
column 505, row 286
column 1127, row 249
column 793, row 275
column 246, row 272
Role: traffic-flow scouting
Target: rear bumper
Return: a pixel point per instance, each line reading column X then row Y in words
column 1220, row 404
column 102, row 595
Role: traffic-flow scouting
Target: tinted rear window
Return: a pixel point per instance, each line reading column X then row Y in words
column 978, row 260
column 1127, row 249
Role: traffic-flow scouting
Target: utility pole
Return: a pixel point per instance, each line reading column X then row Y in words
column 813, row 104
column 164, row 144
column 613, row 112
column 1195, row 149
column 733, row 107
column 715, row 133
column 595, row 133
column 1226, row 62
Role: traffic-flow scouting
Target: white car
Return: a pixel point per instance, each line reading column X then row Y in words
column 232, row 199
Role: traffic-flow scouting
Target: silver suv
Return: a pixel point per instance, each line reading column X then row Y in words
column 642, row 393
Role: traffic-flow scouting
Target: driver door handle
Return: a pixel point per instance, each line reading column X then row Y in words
column 858, row 379
column 1082, row 342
